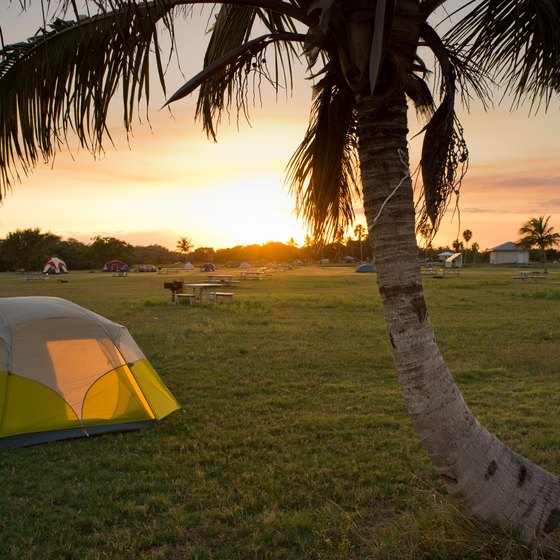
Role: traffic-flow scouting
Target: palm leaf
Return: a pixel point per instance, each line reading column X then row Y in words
column 444, row 152
column 518, row 42
column 64, row 79
column 322, row 173
column 231, row 31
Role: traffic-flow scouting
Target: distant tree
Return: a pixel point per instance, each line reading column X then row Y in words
column 108, row 248
column 293, row 246
column 29, row 248
column 203, row 254
column 426, row 233
column 457, row 246
column 360, row 234
column 537, row 233
column 339, row 242
column 76, row 255
column 467, row 236
column 474, row 248
column 153, row 254
column 184, row 245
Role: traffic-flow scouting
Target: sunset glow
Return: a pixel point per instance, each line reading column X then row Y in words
column 170, row 181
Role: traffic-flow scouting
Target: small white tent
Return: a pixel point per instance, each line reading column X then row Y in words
column 188, row 266
column 55, row 266
column 244, row 265
column 454, row 261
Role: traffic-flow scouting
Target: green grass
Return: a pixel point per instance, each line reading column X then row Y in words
column 292, row 441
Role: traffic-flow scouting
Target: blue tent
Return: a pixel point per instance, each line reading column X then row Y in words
column 366, row 267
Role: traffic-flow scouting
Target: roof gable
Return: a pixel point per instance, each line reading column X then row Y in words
column 509, row 246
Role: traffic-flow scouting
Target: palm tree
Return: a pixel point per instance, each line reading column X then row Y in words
column 467, row 236
column 365, row 59
column 292, row 243
column 184, row 245
column 360, row 233
column 475, row 247
column 537, row 233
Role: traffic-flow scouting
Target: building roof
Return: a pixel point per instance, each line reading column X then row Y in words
column 509, row 246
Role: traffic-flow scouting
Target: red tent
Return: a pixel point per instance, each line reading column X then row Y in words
column 115, row 265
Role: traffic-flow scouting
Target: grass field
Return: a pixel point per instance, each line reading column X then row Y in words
column 292, row 441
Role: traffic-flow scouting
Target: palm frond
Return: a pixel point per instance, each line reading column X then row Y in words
column 63, row 80
column 444, row 158
column 518, row 43
column 322, row 173
column 230, row 34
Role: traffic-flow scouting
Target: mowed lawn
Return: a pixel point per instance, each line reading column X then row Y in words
column 292, row 441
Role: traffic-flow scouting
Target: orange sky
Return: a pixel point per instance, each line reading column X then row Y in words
column 172, row 182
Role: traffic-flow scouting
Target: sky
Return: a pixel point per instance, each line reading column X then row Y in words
column 169, row 181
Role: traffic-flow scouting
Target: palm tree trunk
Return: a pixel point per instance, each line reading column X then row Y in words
column 488, row 479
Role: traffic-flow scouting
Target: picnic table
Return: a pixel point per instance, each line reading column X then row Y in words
column 529, row 275
column 35, row 277
column 199, row 290
column 251, row 275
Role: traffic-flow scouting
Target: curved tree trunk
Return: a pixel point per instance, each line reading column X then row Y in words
column 488, row 479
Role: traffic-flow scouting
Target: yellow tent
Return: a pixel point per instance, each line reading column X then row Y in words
column 67, row 372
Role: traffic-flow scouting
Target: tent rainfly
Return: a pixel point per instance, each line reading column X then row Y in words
column 55, row 266
column 67, row 372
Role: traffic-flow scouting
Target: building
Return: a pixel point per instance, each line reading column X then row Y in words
column 509, row 253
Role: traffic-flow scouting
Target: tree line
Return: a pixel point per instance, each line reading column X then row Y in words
column 29, row 249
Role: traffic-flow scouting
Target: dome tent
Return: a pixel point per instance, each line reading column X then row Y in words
column 365, row 267
column 55, row 266
column 67, row 372
column 188, row 266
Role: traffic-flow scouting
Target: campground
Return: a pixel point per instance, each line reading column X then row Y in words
column 292, row 441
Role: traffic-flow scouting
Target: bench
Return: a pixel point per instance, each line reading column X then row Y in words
column 224, row 295
column 188, row 297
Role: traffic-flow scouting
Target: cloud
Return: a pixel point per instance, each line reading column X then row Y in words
column 528, row 181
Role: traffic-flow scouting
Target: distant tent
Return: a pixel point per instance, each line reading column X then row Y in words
column 207, row 267
column 454, row 261
column 55, row 266
column 244, row 265
column 188, row 266
column 366, row 267
column 114, row 265
column 67, row 372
